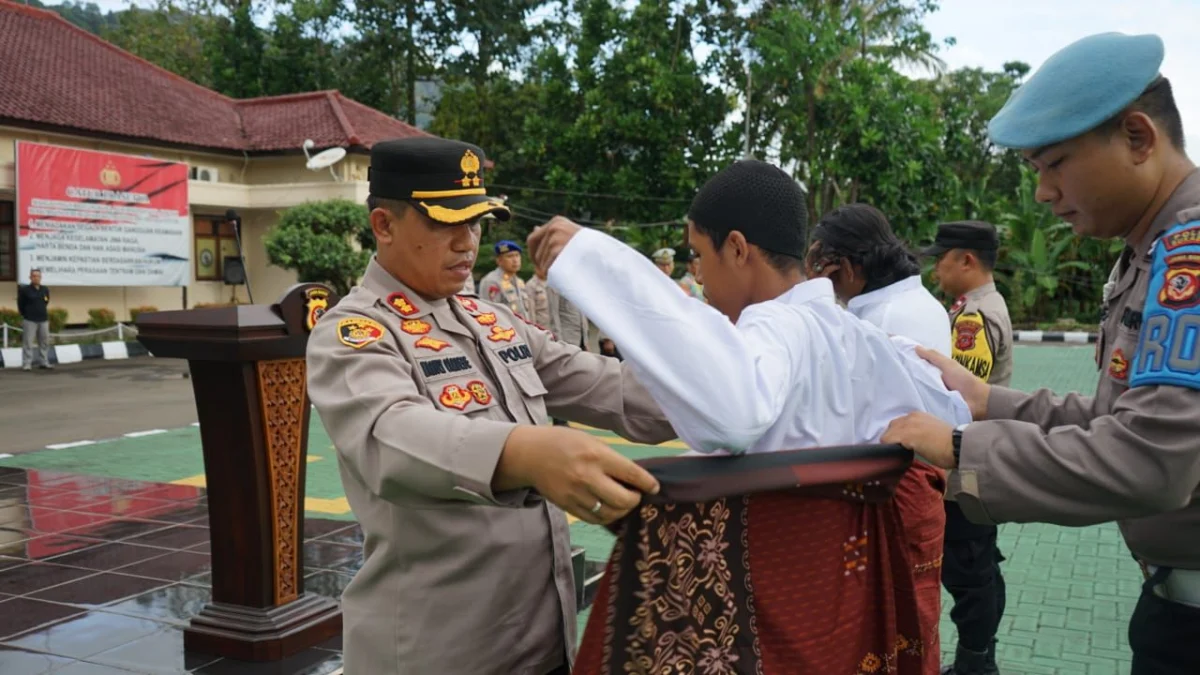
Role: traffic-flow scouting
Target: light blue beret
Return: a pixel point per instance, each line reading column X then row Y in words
column 1077, row 89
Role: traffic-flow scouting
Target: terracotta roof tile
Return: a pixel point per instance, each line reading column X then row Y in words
column 54, row 73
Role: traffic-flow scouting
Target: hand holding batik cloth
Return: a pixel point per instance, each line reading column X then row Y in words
column 769, row 563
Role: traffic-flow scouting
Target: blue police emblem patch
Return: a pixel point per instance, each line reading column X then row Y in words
column 1168, row 349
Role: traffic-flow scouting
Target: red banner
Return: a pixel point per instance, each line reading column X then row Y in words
column 90, row 218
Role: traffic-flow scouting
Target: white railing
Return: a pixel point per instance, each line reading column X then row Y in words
column 120, row 329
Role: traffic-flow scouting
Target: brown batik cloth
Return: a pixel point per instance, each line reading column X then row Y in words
column 821, row 561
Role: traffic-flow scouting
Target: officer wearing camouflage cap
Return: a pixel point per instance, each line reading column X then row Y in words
column 1099, row 123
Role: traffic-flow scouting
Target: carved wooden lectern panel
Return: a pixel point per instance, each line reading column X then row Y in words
column 281, row 386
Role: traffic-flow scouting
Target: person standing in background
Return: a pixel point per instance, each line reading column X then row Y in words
column 504, row 284
column 33, row 303
column 876, row 276
column 664, row 259
column 691, row 282
column 965, row 254
column 556, row 314
column 982, row 334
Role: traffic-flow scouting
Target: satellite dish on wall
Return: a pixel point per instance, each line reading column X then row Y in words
column 324, row 159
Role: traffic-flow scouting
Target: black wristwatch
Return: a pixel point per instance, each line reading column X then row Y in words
column 956, row 439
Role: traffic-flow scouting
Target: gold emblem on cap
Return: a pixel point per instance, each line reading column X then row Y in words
column 471, row 182
column 470, row 166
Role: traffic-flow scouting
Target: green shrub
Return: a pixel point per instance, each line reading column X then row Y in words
column 58, row 319
column 134, row 312
column 10, row 316
column 101, row 318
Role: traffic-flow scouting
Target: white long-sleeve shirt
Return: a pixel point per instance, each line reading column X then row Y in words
column 908, row 309
column 794, row 372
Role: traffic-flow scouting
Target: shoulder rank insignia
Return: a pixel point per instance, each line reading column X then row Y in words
column 415, row 326
column 1118, row 365
column 358, row 332
column 399, row 302
column 454, row 396
column 479, row 392
column 486, row 319
column 431, row 343
column 1168, row 351
column 971, row 347
column 467, row 303
column 501, row 334
column 316, row 302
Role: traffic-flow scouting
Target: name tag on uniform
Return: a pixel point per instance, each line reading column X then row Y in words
column 441, row 367
column 1168, row 351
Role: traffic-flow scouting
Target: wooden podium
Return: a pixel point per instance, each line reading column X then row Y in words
column 248, row 374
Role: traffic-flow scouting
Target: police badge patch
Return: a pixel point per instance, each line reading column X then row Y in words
column 358, row 332
column 1168, row 351
column 971, row 347
column 316, row 302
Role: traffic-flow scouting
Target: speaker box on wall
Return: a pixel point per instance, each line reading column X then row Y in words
column 234, row 270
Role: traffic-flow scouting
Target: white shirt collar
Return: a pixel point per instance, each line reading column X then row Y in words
column 808, row 291
column 884, row 294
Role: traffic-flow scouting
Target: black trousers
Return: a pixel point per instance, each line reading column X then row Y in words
column 971, row 573
column 1163, row 634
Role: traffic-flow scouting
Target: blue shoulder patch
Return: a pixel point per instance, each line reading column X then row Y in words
column 1168, row 350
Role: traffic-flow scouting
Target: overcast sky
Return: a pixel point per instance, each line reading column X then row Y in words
column 990, row 33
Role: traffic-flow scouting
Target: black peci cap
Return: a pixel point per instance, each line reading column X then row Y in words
column 442, row 178
column 973, row 235
column 758, row 199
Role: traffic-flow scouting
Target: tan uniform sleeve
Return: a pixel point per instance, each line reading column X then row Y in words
column 540, row 303
column 1140, row 460
column 391, row 436
column 1041, row 408
column 596, row 390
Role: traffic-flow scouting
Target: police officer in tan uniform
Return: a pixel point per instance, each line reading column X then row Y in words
column 1100, row 125
column 504, row 284
column 437, row 403
column 555, row 313
column 981, row 340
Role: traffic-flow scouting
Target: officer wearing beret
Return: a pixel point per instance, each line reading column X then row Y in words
column 503, row 284
column 437, row 404
column 1099, row 124
column 981, row 340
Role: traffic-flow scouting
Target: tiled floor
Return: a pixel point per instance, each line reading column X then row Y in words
column 100, row 576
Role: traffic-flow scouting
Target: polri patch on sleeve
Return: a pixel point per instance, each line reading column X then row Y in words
column 1168, row 351
column 358, row 332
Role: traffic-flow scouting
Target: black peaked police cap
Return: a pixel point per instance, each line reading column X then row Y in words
column 442, row 178
column 972, row 235
column 758, row 199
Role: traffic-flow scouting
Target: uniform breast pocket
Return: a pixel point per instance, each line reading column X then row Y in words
column 532, row 391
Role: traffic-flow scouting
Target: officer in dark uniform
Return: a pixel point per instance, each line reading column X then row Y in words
column 1099, row 124
column 33, row 302
column 981, row 340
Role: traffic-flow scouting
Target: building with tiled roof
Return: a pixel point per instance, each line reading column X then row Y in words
column 61, row 85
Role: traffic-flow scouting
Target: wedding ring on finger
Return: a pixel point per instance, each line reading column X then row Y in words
column 599, row 505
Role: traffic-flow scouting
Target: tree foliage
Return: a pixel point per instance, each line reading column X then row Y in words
column 613, row 112
column 323, row 242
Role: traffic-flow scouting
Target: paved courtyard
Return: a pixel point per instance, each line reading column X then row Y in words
column 1071, row 591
